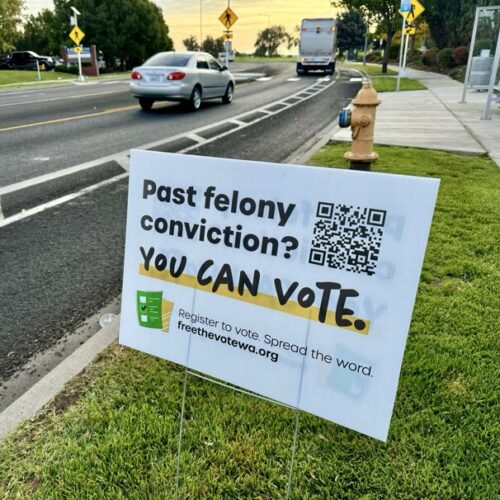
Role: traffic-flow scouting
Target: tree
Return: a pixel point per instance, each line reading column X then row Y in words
column 270, row 39
column 384, row 12
column 10, row 19
column 351, row 30
column 451, row 21
column 126, row 31
column 213, row 45
column 40, row 34
column 191, row 43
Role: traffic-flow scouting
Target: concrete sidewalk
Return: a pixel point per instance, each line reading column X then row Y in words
column 435, row 118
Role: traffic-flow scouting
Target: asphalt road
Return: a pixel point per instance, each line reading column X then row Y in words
column 63, row 264
column 45, row 130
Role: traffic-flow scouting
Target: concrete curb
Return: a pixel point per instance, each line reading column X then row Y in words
column 44, row 391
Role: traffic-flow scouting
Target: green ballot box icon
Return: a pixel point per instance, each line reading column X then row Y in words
column 153, row 311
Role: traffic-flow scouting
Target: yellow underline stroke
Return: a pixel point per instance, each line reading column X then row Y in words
column 21, row 103
column 262, row 299
column 69, row 118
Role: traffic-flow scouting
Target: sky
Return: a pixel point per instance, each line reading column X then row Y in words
column 183, row 17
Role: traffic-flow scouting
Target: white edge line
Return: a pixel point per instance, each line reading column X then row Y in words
column 195, row 137
column 122, row 157
column 59, row 201
column 118, row 157
column 245, row 125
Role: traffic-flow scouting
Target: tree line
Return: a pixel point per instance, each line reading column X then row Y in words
column 126, row 32
column 450, row 22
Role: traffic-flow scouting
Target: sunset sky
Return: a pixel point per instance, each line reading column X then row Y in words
column 183, row 17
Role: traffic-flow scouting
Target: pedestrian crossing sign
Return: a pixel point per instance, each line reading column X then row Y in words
column 228, row 18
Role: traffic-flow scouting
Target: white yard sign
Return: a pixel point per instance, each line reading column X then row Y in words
column 297, row 283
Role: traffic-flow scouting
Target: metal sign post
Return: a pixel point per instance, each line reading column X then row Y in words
column 400, row 69
column 493, row 82
column 228, row 18
column 77, row 36
column 410, row 10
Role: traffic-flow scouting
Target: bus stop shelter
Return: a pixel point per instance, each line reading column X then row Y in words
column 482, row 72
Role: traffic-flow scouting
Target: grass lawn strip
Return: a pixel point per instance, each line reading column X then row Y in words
column 17, row 76
column 369, row 69
column 113, row 432
column 389, row 84
column 16, row 79
column 250, row 59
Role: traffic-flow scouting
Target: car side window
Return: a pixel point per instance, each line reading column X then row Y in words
column 214, row 64
column 201, row 62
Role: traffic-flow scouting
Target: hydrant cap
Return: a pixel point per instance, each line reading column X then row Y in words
column 367, row 96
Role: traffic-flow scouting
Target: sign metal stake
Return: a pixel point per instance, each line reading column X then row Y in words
column 401, row 51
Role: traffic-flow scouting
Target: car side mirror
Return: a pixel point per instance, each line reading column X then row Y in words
column 224, row 68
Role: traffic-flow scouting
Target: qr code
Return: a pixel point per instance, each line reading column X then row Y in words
column 347, row 237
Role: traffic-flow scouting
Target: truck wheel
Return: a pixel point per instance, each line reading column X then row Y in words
column 145, row 103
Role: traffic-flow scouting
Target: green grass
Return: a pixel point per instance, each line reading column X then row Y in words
column 292, row 59
column 389, row 84
column 369, row 69
column 15, row 79
column 113, row 432
column 18, row 76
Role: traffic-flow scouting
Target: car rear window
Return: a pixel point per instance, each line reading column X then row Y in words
column 176, row 60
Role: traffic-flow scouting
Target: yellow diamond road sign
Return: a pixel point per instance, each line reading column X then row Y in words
column 410, row 30
column 416, row 9
column 76, row 35
column 78, row 48
column 228, row 18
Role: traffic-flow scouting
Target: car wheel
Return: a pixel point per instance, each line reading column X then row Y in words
column 145, row 103
column 227, row 98
column 194, row 102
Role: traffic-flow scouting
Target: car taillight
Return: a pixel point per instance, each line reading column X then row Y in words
column 176, row 75
column 136, row 75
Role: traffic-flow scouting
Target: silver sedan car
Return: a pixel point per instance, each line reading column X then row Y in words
column 189, row 77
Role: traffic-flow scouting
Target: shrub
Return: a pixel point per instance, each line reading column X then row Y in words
column 429, row 57
column 61, row 68
column 445, row 58
column 373, row 57
column 394, row 52
column 460, row 55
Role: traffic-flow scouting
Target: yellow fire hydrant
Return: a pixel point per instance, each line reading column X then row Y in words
column 363, row 125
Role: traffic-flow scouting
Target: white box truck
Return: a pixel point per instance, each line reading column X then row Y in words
column 318, row 45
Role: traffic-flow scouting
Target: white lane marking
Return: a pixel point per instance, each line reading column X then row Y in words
column 41, row 158
column 8, row 94
column 264, row 79
column 122, row 157
column 114, row 82
column 60, row 201
column 293, row 79
column 324, row 79
column 84, row 83
column 195, row 137
column 355, row 79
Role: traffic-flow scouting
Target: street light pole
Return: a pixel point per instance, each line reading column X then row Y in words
column 201, row 23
